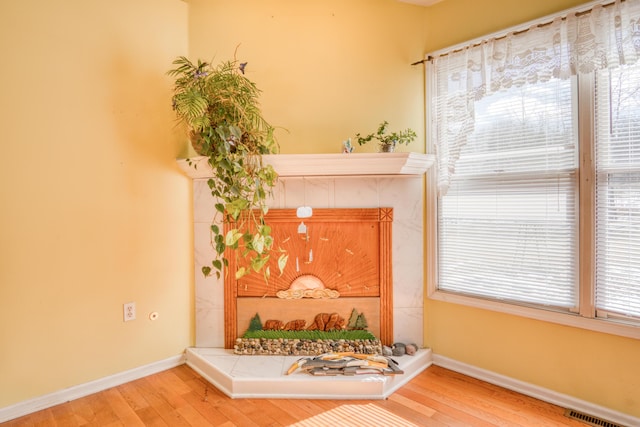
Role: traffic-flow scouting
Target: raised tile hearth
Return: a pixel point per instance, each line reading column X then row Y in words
column 242, row 376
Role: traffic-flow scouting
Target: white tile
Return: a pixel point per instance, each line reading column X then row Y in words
column 408, row 325
column 409, row 295
column 356, row 193
column 226, row 363
column 258, row 367
column 314, row 192
column 203, row 202
column 403, row 194
column 408, row 286
column 203, row 251
column 317, row 192
column 210, row 327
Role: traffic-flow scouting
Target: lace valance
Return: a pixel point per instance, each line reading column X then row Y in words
column 606, row 36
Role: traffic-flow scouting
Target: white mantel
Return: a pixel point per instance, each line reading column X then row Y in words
column 330, row 165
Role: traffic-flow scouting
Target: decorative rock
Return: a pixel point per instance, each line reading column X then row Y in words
column 305, row 347
column 386, row 350
column 398, row 349
column 411, row 349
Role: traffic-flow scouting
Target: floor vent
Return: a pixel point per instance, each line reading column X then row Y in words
column 590, row 419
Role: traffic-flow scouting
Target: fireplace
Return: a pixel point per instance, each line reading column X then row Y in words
column 328, row 181
column 339, row 263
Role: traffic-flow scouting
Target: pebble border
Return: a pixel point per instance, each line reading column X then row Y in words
column 302, row 347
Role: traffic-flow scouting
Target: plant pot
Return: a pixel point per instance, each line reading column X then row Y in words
column 387, row 148
column 198, row 143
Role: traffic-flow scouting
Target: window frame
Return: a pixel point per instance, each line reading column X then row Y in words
column 585, row 317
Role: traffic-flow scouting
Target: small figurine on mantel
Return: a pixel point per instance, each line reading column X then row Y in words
column 346, row 146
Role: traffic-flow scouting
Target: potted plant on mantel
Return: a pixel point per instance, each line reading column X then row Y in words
column 387, row 142
column 220, row 109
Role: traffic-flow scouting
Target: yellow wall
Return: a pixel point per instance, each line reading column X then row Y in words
column 450, row 22
column 599, row 368
column 94, row 211
column 328, row 69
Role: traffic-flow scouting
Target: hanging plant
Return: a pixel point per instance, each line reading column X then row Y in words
column 220, row 109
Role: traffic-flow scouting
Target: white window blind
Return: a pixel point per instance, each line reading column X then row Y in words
column 618, row 192
column 507, row 221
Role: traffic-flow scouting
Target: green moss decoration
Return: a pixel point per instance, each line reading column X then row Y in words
column 312, row 335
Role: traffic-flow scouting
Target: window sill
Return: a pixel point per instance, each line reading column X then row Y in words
column 607, row 326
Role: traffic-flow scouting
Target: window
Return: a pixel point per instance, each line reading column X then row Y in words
column 618, row 192
column 520, row 124
column 507, row 222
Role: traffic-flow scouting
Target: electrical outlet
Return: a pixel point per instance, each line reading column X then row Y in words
column 129, row 311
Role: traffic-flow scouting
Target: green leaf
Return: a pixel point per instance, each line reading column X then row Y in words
column 225, row 164
column 268, row 242
column 282, row 262
column 241, row 272
column 220, row 245
column 264, row 230
column 258, row 243
column 258, row 262
column 236, row 206
column 232, row 237
column 206, row 270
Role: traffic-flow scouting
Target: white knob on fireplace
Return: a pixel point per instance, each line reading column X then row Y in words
column 304, row 212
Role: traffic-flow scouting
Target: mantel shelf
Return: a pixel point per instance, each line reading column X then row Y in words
column 330, row 165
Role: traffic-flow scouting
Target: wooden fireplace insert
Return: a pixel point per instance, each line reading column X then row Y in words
column 348, row 250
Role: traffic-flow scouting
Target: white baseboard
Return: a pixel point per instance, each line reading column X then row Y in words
column 61, row 396
column 537, row 392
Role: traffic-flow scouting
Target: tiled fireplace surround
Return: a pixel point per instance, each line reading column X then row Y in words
column 401, row 192
column 364, row 183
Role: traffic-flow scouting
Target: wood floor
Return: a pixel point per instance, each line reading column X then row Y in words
column 181, row 397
